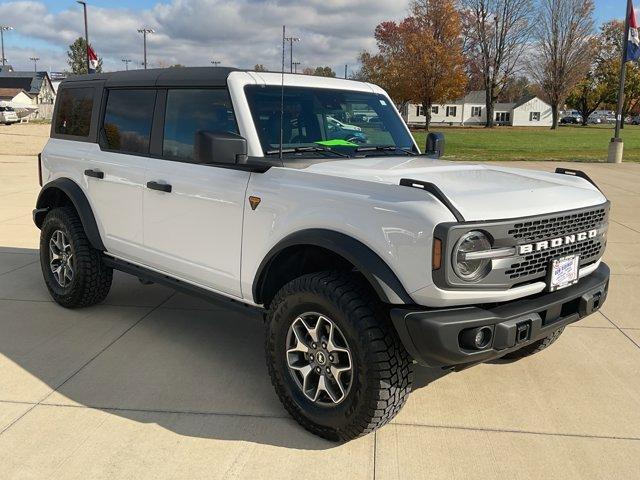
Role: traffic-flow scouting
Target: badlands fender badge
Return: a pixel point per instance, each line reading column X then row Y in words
column 557, row 242
column 254, row 202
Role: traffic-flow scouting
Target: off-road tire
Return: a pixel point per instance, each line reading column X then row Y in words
column 92, row 278
column 382, row 368
column 534, row 347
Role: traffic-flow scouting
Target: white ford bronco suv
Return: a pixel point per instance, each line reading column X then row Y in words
column 307, row 198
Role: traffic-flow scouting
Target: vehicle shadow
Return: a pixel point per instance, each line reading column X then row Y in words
column 193, row 368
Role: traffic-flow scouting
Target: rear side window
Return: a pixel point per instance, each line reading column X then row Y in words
column 74, row 112
column 127, row 120
column 191, row 111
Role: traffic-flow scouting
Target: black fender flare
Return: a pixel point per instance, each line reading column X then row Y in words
column 383, row 280
column 79, row 200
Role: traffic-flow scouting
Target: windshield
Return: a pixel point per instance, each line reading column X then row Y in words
column 320, row 120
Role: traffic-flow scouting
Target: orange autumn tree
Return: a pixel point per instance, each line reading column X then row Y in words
column 420, row 59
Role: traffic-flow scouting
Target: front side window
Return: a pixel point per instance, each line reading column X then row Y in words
column 534, row 116
column 434, row 109
column 346, row 121
column 73, row 117
column 190, row 112
column 476, row 111
column 127, row 120
column 452, row 111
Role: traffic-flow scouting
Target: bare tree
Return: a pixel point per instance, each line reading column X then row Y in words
column 496, row 35
column 563, row 48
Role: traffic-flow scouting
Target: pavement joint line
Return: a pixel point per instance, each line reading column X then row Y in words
column 621, row 331
column 18, row 268
column 16, row 420
column 375, row 450
column 589, row 326
column 515, row 430
column 625, row 226
column 161, row 411
column 44, row 403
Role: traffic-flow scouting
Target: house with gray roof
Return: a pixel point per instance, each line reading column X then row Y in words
column 36, row 85
column 470, row 110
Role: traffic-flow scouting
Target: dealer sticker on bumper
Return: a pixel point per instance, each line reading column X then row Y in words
column 564, row 272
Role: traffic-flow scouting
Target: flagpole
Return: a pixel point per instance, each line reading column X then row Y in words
column 616, row 147
column 86, row 32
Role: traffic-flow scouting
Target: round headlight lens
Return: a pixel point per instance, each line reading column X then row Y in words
column 467, row 269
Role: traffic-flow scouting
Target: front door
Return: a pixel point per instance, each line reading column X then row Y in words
column 193, row 212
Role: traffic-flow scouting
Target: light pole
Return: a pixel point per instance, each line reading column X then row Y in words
column 144, row 31
column 3, row 28
column 86, row 32
column 215, row 63
column 346, row 71
column 295, row 67
column 291, row 40
column 35, row 63
column 126, row 62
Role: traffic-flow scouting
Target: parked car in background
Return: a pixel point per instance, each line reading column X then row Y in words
column 635, row 120
column 570, row 120
column 343, row 131
column 8, row 115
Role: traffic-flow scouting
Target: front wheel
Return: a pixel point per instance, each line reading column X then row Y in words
column 334, row 358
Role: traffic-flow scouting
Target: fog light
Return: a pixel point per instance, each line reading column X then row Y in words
column 476, row 338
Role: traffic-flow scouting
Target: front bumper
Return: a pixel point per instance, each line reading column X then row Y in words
column 434, row 337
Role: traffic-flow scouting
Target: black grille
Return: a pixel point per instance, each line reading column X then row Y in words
column 537, row 263
column 553, row 227
column 534, row 265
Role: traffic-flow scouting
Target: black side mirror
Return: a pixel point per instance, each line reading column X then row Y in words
column 212, row 147
column 435, row 144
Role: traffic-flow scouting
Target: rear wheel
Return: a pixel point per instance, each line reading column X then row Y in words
column 535, row 347
column 334, row 358
column 73, row 270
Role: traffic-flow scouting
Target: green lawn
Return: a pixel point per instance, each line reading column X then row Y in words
column 585, row 144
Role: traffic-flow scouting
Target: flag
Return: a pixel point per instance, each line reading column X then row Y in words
column 633, row 42
column 93, row 60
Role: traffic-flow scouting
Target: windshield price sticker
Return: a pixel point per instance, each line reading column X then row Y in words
column 564, row 272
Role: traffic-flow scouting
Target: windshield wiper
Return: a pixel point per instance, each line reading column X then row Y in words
column 383, row 148
column 306, row 149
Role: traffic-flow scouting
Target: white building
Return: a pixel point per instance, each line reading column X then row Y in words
column 471, row 110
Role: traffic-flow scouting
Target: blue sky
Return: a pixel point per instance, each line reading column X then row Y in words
column 194, row 32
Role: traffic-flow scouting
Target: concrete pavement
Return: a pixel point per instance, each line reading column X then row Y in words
column 155, row 384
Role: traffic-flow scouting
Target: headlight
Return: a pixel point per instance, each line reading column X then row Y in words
column 467, row 269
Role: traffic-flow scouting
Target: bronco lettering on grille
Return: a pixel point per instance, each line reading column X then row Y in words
column 557, row 242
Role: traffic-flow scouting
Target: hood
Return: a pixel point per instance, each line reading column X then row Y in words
column 479, row 192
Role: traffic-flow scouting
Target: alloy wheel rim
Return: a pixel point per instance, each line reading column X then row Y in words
column 319, row 359
column 61, row 258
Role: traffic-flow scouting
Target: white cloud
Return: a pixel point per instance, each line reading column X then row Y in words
column 239, row 33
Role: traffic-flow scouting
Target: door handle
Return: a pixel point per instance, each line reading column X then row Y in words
column 161, row 187
column 94, row 174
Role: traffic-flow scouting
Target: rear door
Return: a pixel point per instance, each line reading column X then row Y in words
column 116, row 173
column 193, row 212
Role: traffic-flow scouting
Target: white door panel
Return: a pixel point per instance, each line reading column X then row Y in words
column 195, row 231
column 116, row 199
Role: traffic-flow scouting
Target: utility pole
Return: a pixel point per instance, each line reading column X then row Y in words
column 346, row 68
column 126, row 62
column 3, row 28
column 86, row 32
column 295, row 67
column 215, row 63
column 291, row 40
column 144, row 31
column 616, row 147
column 35, row 63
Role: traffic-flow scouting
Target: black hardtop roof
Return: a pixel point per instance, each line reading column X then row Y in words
column 160, row 77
